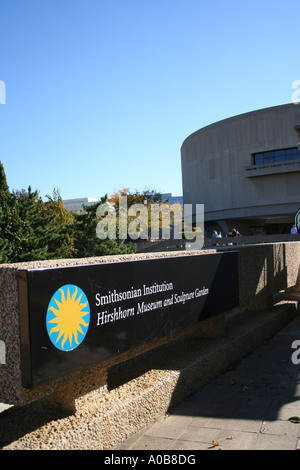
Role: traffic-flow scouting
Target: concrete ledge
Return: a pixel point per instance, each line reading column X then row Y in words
column 107, row 416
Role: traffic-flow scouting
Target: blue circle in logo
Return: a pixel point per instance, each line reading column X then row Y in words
column 68, row 317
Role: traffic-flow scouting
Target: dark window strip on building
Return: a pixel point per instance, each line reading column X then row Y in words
column 276, row 156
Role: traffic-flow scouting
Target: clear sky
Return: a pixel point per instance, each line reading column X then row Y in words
column 100, row 94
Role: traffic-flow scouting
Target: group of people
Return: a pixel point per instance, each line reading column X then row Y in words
column 215, row 234
column 236, row 233
column 233, row 233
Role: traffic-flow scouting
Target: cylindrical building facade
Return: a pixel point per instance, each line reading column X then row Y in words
column 246, row 171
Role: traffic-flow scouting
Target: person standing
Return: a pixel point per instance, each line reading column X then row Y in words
column 294, row 229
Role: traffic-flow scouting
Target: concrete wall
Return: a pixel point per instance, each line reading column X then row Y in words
column 106, row 403
column 214, row 161
column 263, row 271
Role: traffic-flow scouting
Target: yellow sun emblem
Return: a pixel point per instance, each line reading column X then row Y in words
column 69, row 311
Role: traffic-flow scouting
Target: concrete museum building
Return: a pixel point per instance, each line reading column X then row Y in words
column 246, row 171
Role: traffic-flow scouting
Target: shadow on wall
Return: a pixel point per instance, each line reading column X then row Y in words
column 263, row 272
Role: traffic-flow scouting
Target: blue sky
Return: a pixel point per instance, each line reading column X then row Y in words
column 100, row 94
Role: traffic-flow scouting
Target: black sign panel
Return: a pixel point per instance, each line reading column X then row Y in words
column 74, row 317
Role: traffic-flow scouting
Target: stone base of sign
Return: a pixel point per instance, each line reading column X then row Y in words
column 136, row 393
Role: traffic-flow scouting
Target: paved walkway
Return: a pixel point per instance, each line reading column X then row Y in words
column 249, row 407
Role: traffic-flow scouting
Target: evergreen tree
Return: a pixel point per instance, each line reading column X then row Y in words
column 5, row 251
column 35, row 230
column 31, row 229
column 10, row 222
column 61, row 225
column 47, row 227
column 87, row 243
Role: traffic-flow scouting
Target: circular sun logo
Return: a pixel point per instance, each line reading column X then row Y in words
column 68, row 317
